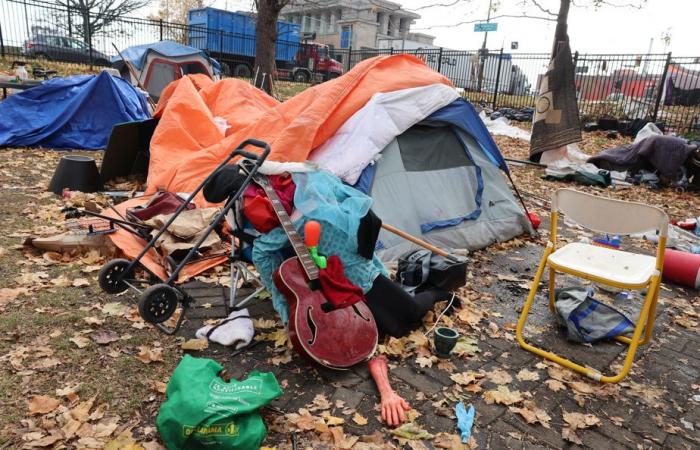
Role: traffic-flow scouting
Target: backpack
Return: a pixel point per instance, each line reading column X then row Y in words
column 419, row 270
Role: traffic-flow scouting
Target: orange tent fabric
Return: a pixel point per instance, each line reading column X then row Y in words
column 188, row 145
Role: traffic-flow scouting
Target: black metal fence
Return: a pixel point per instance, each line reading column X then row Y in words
column 659, row 87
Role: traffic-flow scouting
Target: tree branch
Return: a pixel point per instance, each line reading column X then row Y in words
column 544, row 10
column 467, row 22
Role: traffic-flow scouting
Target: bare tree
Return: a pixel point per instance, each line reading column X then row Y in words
column 96, row 15
column 265, row 38
column 176, row 12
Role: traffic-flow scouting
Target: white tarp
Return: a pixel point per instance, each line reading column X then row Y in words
column 502, row 127
column 385, row 116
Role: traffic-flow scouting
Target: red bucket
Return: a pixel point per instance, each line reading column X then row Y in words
column 682, row 268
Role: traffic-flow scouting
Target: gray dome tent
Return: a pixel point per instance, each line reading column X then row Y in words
column 441, row 180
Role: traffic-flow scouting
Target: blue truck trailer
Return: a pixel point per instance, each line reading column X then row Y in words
column 230, row 38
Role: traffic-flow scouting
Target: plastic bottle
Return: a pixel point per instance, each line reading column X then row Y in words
column 21, row 73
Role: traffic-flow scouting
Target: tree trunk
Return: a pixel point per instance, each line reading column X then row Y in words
column 265, row 37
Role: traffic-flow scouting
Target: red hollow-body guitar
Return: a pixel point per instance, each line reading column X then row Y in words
column 337, row 338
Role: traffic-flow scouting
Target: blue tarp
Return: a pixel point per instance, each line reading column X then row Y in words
column 169, row 49
column 461, row 114
column 70, row 113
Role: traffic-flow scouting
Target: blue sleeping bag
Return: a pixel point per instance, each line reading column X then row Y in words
column 70, row 113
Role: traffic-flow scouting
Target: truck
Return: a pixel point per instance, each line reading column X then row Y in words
column 230, row 38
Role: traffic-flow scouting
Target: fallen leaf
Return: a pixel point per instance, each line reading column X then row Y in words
column 93, row 320
column 617, row 420
column 114, row 308
column 44, row 441
column 526, row 375
column 8, row 294
column 466, row 378
column 555, row 385
column 359, row 419
column 332, row 420
column 104, row 337
column 148, row 355
column 195, row 344
column 41, row 404
column 425, row 361
column 82, row 411
column 449, row 441
column 320, row 402
column 411, row 431
column 466, row 347
column 159, row 386
column 532, row 414
column 264, row 323
column 284, row 358
column 580, row 421
column 81, row 282
column 503, row 396
column 582, row 387
column 80, row 341
column 499, row 376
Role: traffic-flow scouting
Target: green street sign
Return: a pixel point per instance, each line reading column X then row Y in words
column 481, row 27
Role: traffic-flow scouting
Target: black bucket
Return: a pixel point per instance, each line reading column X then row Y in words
column 77, row 173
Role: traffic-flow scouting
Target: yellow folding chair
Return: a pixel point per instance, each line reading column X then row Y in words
column 602, row 265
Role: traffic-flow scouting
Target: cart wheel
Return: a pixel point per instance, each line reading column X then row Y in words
column 158, row 303
column 112, row 274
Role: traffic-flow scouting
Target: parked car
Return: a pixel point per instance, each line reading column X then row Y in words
column 62, row 48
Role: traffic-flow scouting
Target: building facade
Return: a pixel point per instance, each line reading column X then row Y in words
column 356, row 23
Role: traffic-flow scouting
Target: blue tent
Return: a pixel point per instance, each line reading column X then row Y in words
column 442, row 180
column 70, row 113
column 137, row 54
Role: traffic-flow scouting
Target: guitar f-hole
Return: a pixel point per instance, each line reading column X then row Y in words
column 357, row 311
column 312, row 326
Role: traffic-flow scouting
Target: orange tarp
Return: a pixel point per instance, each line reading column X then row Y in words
column 188, row 145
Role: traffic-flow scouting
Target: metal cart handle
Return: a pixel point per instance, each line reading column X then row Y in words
column 255, row 143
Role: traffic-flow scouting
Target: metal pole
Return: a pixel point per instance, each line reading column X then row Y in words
column 439, row 60
column 482, row 59
column 26, row 19
column 221, row 45
column 661, row 88
column 70, row 22
column 498, row 77
column 349, row 57
column 160, row 26
column 2, row 43
column 89, row 34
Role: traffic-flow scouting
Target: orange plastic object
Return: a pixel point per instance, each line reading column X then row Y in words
column 312, row 233
column 187, row 144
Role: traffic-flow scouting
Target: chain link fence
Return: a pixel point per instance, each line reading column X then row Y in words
column 659, row 87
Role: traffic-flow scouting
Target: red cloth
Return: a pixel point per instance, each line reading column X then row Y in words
column 257, row 208
column 337, row 289
column 161, row 203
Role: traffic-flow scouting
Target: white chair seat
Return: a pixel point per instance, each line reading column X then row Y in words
column 614, row 265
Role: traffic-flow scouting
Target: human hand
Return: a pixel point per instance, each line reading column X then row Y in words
column 393, row 409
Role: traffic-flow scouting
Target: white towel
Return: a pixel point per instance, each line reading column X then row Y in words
column 236, row 330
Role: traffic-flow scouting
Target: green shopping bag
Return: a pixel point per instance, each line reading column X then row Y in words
column 204, row 411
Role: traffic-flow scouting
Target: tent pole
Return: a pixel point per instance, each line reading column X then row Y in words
column 522, row 202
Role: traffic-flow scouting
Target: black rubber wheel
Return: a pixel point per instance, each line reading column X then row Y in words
column 242, row 71
column 301, row 77
column 112, row 274
column 158, row 303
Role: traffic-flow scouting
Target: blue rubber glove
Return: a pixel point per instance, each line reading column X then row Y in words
column 465, row 421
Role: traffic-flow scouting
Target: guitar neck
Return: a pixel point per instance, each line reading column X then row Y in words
column 299, row 247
